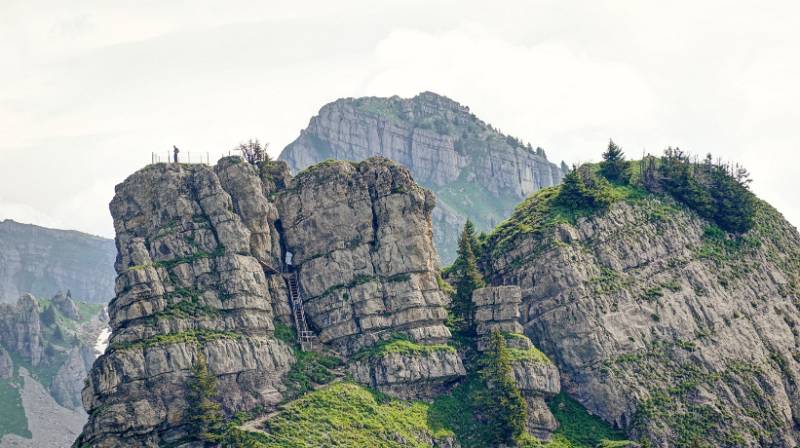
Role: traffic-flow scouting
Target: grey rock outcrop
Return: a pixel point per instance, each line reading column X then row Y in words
column 201, row 256
column 193, row 246
column 497, row 309
column 412, row 375
column 661, row 328
column 44, row 261
column 6, row 365
column 361, row 240
column 66, row 306
column 67, row 384
column 475, row 171
column 20, row 329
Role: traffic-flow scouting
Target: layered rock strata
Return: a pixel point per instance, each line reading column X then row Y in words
column 202, row 252
column 21, row 329
column 361, row 240
column 475, row 171
column 193, row 245
column 411, row 375
column 43, row 261
column 662, row 324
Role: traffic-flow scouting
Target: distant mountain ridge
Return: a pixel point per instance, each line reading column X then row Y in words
column 475, row 171
column 43, row 261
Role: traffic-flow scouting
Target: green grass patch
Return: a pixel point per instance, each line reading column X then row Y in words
column 530, row 354
column 310, row 368
column 579, row 429
column 12, row 414
column 400, row 345
column 345, row 415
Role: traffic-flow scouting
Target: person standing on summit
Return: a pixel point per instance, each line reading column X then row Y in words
column 176, row 151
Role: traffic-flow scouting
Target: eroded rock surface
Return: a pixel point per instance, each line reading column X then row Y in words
column 201, row 260
column 361, row 239
column 664, row 328
column 20, row 329
column 411, row 375
column 194, row 243
column 44, row 261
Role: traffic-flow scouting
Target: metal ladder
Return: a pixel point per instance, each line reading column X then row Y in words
column 304, row 336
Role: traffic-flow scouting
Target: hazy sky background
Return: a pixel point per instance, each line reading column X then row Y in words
column 89, row 88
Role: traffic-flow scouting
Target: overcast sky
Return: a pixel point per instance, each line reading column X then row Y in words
column 89, row 88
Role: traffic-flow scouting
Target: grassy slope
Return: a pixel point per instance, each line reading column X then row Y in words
column 349, row 415
column 12, row 414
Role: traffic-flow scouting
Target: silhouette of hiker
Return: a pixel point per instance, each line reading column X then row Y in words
column 176, row 151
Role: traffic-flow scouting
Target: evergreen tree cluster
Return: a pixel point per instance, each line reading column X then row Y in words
column 717, row 191
column 502, row 405
column 584, row 190
column 207, row 419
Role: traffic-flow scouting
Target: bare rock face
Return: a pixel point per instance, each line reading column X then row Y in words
column 411, row 375
column 66, row 306
column 665, row 326
column 361, row 239
column 67, row 383
column 201, row 256
column 43, row 261
column 496, row 308
column 475, row 171
column 196, row 248
column 6, row 366
column 21, row 330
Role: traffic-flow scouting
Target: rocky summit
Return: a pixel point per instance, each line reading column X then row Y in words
column 620, row 308
column 216, row 265
column 475, row 171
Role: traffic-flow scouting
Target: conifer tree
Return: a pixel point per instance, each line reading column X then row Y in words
column 614, row 167
column 466, row 275
column 582, row 189
column 503, row 404
column 207, row 418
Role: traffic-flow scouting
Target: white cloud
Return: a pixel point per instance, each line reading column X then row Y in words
column 90, row 88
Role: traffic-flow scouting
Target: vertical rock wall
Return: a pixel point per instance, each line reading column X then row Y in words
column 200, row 265
column 361, row 239
column 193, row 244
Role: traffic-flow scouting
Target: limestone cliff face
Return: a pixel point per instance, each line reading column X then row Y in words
column 361, row 239
column 21, row 329
column 190, row 284
column 201, row 263
column 664, row 325
column 474, row 170
column 44, row 261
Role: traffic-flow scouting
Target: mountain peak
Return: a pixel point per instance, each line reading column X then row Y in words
column 476, row 171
